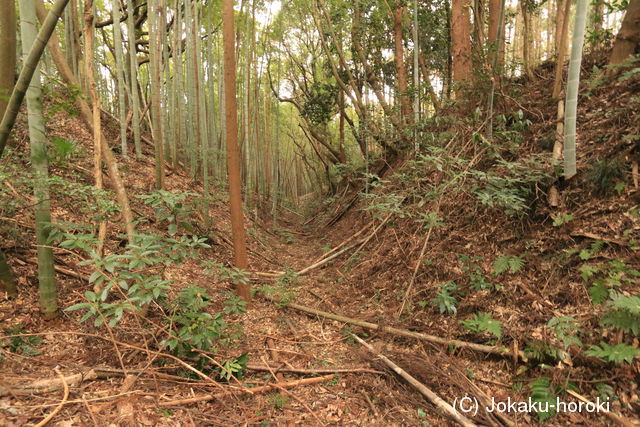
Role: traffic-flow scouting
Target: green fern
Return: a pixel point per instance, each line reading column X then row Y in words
column 484, row 322
column 544, row 397
column 566, row 329
column 624, row 313
column 504, row 263
column 614, row 353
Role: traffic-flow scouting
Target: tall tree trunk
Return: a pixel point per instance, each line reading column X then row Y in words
column 401, row 71
column 133, row 79
column 39, row 162
column 562, row 43
column 496, row 47
column 628, row 38
column 240, row 259
column 120, row 66
column 85, row 113
column 7, row 79
column 573, row 83
column 7, row 51
column 461, row 45
column 527, row 40
column 28, row 69
column 156, row 14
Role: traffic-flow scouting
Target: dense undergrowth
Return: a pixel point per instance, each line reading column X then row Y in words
column 470, row 249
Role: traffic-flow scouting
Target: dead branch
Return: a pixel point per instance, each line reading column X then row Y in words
column 276, row 369
column 207, row 397
column 65, row 397
column 498, row 351
column 426, row 392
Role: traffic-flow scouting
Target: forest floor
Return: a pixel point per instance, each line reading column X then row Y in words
column 121, row 376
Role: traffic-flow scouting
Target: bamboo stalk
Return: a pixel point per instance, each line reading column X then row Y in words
column 28, row 69
column 424, row 390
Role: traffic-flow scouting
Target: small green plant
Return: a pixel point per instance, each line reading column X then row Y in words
column 484, row 322
column 234, row 304
column 62, row 150
column 194, row 327
column 623, row 313
column 566, row 330
column 510, row 263
column 544, row 397
column 444, row 300
column 562, row 219
column 477, row 278
column 233, row 368
column 170, row 207
column 510, row 185
column 604, row 175
column 613, row 353
column 277, row 400
column 429, row 220
column 282, row 288
column 588, row 253
column 25, row 345
column 604, row 278
column 234, row 275
column 288, row 237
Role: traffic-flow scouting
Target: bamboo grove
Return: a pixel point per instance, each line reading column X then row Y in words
column 326, row 91
column 310, row 108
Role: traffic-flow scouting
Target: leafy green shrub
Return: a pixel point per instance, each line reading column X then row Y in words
column 623, row 313
column 62, row 150
column 604, row 278
column 196, row 328
column 95, row 204
column 134, row 273
column 566, row 330
column 170, row 207
column 510, row 185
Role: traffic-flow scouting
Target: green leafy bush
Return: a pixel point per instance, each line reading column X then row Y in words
column 170, row 207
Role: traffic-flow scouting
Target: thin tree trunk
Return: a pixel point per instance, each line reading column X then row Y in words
column 7, row 79
column 401, row 71
column 119, row 69
column 85, row 112
column 29, row 66
column 133, row 79
column 240, row 259
column 39, row 162
column 156, row 14
column 628, row 38
column 562, row 43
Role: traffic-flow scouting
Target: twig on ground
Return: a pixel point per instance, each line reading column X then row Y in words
column 337, row 370
column 65, row 397
column 207, row 397
column 618, row 419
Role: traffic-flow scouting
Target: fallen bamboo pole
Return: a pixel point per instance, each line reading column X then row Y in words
column 499, row 351
column 424, row 390
column 207, row 397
